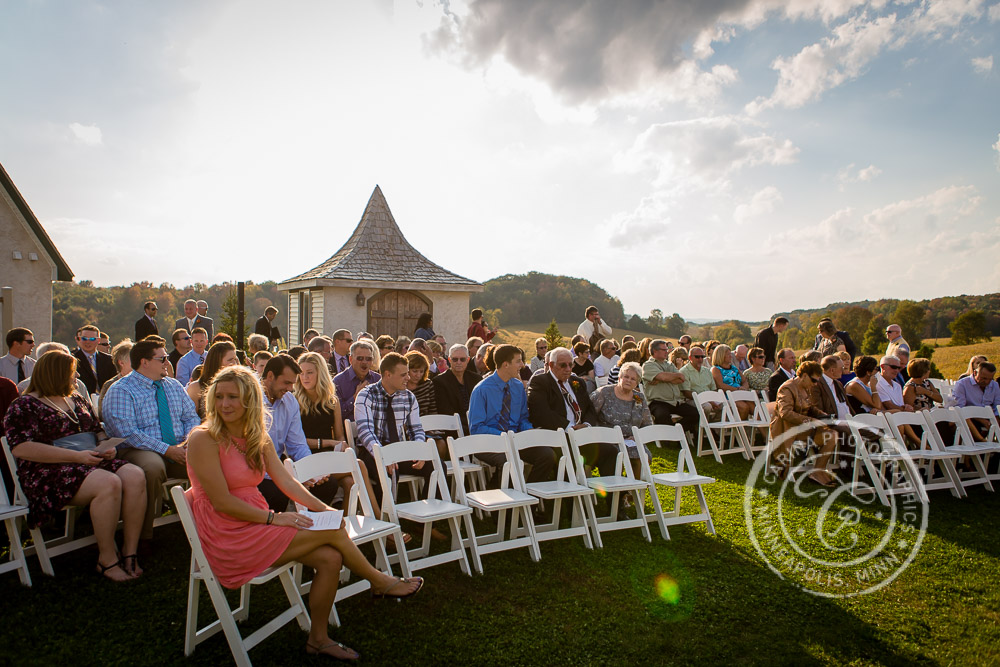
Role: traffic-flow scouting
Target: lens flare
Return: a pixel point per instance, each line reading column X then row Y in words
column 667, row 589
column 601, row 492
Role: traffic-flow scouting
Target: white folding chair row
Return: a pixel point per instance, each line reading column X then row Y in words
column 759, row 417
column 962, row 444
column 201, row 573
column 362, row 526
column 890, row 467
column 727, row 424
column 929, row 453
column 414, row 482
column 11, row 512
column 454, row 423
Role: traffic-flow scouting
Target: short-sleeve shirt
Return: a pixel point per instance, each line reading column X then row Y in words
column 698, row 381
column 667, row 392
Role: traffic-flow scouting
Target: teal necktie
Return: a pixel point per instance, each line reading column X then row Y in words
column 163, row 411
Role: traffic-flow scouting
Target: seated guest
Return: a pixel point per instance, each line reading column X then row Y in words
column 420, row 345
column 644, row 349
column 793, row 409
column 16, row 365
column 829, row 342
column 848, row 375
column 697, row 375
column 904, row 360
column 453, row 388
column 260, row 360
column 104, row 344
column 199, row 343
column 678, row 357
column 663, row 384
column 402, row 345
column 181, row 340
column 973, row 365
column 425, row 327
column 419, row 383
column 918, row 392
column 583, row 367
column 629, row 355
column 889, row 391
column 323, row 346
column 296, row 351
column 357, row 376
column 862, row 391
column 811, row 355
column 154, row 415
column 740, row 359
column 220, row 355
column 499, row 404
column 728, row 378
column 120, row 355
column 341, row 359
column 438, row 363
column 757, row 374
column 829, row 395
column 53, row 433
column 685, row 342
column 306, row 337
column 558, row 399
column 482, row 364
column 8, row 393
column 258, row 343
column 387, row 412
column 241, row 537
column 622, row 404
column 605, row 361
column 81, row 388
column 95, row 366
column 385, row 344
column 478, row 329
column 538, row 361
column 978, row 389
column 472, row 345
column 628, row 338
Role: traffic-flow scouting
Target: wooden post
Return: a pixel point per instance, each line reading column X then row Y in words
column 240, row 314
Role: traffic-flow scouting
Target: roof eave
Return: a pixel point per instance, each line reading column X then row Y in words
column 62, row 270
column 293, row 284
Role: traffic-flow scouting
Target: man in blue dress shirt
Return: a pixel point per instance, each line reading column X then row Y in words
column 194, row 358
column 500, row 403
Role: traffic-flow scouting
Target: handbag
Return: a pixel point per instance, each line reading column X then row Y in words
column 81, row 442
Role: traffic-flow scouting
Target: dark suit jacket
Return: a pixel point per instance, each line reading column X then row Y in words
column 143, row 328
column 777, row 379
column 205, row 323
column 767, row 340
column 823, row 399
column 547, row 407
column 105, row 369
column 453, row 397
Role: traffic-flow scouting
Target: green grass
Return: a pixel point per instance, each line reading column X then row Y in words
column 573, row 607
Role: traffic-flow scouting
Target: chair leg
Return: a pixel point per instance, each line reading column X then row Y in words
column 591, row 513
column 228, row 623
column 654, row 497
column 704, row 508
column 42, row 551
column 536, row 553
column 294, row 598
column 476, row 560
column 191, row 626
column 17, row 551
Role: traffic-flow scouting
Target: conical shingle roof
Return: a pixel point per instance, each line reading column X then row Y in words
column 378, row 252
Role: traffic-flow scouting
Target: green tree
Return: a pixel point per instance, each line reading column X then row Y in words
column 733, row 333
column 636, row 323
column 655, row 319
column 492, row 317
column 706, row 332
column 910, row 318
column 791, row 337
column 675, row 326
column 853, row 319
column 231, row 318
column 553, row 336
column 969, row 328
column 874, row 341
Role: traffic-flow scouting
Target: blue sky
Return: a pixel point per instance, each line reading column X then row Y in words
column 727, row 159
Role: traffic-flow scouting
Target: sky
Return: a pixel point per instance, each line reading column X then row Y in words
column 726, row 159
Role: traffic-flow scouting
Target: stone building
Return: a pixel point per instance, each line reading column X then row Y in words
column 378, row 282
column 29, row 263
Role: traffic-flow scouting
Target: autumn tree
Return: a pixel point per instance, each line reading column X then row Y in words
column 969, row 328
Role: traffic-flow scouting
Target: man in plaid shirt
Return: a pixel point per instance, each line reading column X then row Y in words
column 387, row 412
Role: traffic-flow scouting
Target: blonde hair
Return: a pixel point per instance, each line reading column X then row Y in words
column 326, row 394
column 254, row 425
column 719, row 354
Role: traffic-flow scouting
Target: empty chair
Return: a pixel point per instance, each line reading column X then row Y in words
column 454, row 423
column 501, row 500
column 566, row 486
column 684, row 476
column 951, row 434
column 428, row 510
column 927, row 454
column 759, row 417
column 886, row 461
column 727, row 424
column 616, row 484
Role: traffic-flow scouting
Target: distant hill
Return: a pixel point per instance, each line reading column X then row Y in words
column 539, row 297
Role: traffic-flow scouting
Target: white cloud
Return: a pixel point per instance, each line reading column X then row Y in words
column 923, row 215
column 88, row 135
column 996, row 147
column 983, row 65
column 850, row 175
column 762, row 203
column 994, row 12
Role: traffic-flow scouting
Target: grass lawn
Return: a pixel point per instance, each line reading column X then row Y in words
column 573, row 607
column 953, row 361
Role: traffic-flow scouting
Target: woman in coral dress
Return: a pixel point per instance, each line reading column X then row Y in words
column 227, row 458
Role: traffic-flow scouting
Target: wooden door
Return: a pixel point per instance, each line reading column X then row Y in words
column 395, row 312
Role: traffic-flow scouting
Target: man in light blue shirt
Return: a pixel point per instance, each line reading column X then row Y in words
column 978, row 389
column 199, row 341
column 153, row 441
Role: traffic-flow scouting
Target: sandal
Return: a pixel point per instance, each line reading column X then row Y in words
column 386, row 594
column 312, row 649
column 829, row 483
column 406, row 539
column 103, row 569
column 131, row 565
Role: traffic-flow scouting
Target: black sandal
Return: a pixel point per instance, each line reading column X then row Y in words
column 318, row 651
column 101, row 569
column 387, row 595
column 131, row 567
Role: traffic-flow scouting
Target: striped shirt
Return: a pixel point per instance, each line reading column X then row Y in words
column 370, row 416
column 129, row 411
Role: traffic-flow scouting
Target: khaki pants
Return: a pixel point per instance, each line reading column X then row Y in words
column 156, row 469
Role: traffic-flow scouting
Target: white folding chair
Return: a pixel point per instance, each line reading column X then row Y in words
column 469, row 467
column 888, row 464
column 201, row 572
column 759, row 417
column 962, row 443
column 992, row 437
column 414, row 482
column 945, row 389
column 427, row 510
column 362, row 527
column 615, row 484
column 507, row 497
column 684, row 476
column 565, row 487
column 727, row 424
column 11, row 513
column 927, row 454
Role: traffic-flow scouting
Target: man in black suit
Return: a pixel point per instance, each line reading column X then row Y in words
column 264, row 328
column 782, row 374
column 558, row 399
column 767, row 339
column 205, row 321
column 146, row 325
column 192, row 320
column 453, row 388
column 95, row 367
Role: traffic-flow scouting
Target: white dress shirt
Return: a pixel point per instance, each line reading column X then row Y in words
column 890, row 391
column 843, row 411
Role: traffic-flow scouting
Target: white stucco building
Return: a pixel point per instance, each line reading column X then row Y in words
column 29, row 263
column 378, row 282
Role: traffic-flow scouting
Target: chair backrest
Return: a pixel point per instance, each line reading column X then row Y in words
column 940, row 384
column 409, row 450
column 981, row 412
column 19, row 497
column 874, row 422
column 759, row 413
column 350, row 433
column 702, row 397
column 899, row 419
column 657, row 433
column 334, row 463
column 482, row 443
column 540, row 437
column 936, row 416
column 442, row 423
column 601, row 434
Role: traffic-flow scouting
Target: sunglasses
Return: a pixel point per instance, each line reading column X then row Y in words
column 159, row 359
column 184, row 338
column 29, row 341
column 894, row 367
column 347, row 340
column 697, row 356
column 564, row 364
column 89, row 339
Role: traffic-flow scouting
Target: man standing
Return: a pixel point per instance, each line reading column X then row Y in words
column 782, row 374
column 341, row 350
column 767, row 340
column 387, row 412
column 264, row 325
column 199, row 341
column 204, row 321
column 663, row 385
column 154, row 415
column 593, row 324
column 538, row 361
column 191, row 319
column 478, row 328
column 182, row 345
column 453, row 388
column 146, row 325
column 357, row 376
column 16, row 365
column 95, row 367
